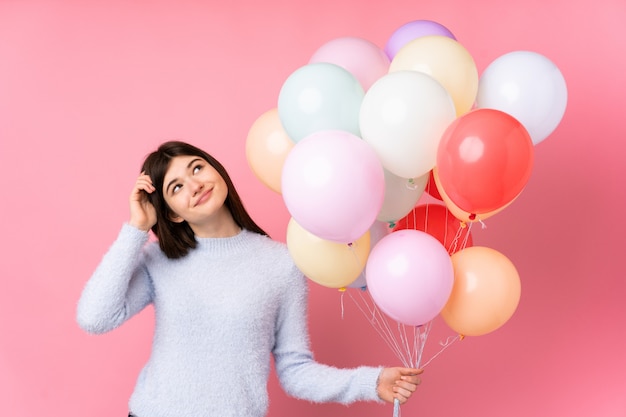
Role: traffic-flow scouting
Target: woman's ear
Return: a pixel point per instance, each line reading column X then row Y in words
column 175, row 217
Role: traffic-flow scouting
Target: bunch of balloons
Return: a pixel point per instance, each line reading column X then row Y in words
column 360, row 133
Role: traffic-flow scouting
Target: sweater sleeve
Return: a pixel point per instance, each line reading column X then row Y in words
column 299, row 374
column 120, row 286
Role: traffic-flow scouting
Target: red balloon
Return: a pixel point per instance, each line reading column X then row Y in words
column 431, row 187
column 439, row 222
column 484, row 160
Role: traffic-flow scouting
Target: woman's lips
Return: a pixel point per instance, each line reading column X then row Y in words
column 203, row 198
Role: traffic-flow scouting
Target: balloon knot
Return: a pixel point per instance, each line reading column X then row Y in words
column 461, row 337
column 472, row 216
column 392, row 225
column 411, row 184
column 463, row 225
column 342, row 289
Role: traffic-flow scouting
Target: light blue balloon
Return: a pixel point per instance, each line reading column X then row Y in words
column 320, row 96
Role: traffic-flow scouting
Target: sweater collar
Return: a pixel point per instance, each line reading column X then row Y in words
column 224, row 244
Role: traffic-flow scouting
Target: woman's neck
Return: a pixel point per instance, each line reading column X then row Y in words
column 221, row 224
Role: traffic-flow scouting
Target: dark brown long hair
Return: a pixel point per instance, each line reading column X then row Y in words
column 176, row 239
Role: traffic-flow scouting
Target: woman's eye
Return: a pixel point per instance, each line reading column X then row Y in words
column 197, row 168
column 176, row 188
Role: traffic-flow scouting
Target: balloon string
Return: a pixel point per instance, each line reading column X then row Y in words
column 467, row 236
column 381, row 326
column 404, row 342
column 410, row 356
column 454, row 244
column 455, row 241
column 451, row 248
column 409, row 350
column 343, row 292
column 445, row 346
column 385, row 329
column 396, row 407
column 423, row 337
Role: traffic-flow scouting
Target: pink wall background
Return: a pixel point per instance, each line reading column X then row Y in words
column 88, row 88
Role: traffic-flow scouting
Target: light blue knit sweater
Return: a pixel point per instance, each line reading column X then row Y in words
column 219, row 313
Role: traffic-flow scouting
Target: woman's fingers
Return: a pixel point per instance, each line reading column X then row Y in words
column 142, row 213
column 144, row 182
column 398, row 383
column 407, row 385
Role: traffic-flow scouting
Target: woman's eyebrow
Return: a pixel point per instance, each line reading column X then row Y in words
column 169, row 184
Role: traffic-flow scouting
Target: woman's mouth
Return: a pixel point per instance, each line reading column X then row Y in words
column 203, row 198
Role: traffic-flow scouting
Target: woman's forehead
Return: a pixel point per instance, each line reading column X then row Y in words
column 181, row 163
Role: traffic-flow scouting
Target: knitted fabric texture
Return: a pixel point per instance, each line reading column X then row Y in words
column 220, row 313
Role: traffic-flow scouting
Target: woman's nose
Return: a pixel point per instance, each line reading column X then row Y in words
column 196, row 187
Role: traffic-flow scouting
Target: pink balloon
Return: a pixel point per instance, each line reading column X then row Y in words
column 410, row 276
column 333, row 185
column 413, row 30
column 362, row 58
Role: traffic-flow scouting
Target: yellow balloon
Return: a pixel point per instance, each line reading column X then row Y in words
column 463, row 216
column 331, row 264
column 267, row 146
column 447, row 61
column 485, row 293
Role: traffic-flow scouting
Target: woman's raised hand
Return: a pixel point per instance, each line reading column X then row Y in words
column 142, row 212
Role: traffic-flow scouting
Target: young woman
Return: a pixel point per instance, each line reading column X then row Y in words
column 225, row 297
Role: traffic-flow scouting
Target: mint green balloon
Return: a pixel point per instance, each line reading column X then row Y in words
column 320, row 96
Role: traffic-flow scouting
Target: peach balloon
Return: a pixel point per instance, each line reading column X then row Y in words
column 267, row 147
column 485, row 294
column 447, row 61
column 328, row 263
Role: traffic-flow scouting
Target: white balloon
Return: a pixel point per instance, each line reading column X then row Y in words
column 378, row 230
column 319, row 96
column 529, row 87
column 403, row 116
column 401, row 195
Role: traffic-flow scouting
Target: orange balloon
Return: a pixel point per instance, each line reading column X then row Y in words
column 331, row 264
column 485, row 294
column 267, row 146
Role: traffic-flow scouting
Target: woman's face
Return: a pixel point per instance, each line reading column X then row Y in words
column 194, row 191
